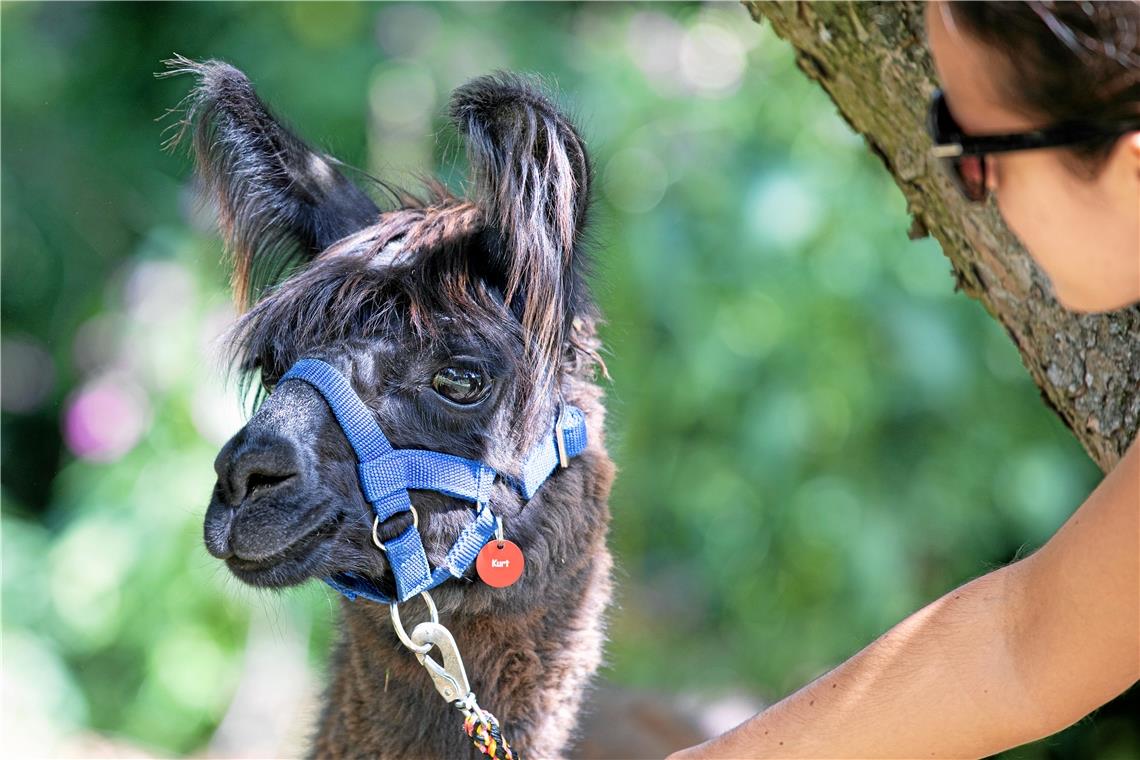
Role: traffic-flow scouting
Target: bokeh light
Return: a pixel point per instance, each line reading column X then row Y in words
column 28, row 374
column 105, row 418
column 712, row 60
column 814, row 433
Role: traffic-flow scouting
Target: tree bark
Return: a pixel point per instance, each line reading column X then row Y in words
column 872, row 59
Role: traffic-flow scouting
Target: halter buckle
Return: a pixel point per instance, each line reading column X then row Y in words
column 560, row 443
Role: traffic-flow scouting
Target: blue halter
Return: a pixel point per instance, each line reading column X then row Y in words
column 386, row 474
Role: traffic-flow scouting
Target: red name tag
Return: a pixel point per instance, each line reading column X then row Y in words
column 500, row 563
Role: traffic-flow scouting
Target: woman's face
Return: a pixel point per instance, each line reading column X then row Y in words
column 1084, row 231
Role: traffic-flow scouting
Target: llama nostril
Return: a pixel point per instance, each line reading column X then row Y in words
column 258, row 482
column 257, row 466
column 257, row 478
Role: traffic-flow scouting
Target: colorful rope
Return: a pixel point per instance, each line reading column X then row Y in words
column 483, row 728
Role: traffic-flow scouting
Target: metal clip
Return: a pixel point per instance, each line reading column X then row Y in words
column 560, row 441
column 376, row 524
column 394, row 611
column 450, row 678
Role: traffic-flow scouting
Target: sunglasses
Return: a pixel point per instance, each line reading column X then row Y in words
column 964, row 156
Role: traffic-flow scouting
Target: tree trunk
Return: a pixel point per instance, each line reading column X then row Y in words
column 873, row 61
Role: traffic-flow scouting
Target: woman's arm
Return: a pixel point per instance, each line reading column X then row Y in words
column 1013, row 656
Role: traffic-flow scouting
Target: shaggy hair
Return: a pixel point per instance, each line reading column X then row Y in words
column 281, row 204
column 394, row 296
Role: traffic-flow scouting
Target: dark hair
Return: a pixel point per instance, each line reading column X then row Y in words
column 1068, row 60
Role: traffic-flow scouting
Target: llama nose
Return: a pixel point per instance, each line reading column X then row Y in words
column 250, row 466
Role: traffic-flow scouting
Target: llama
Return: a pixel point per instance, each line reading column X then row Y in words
column 464, row 326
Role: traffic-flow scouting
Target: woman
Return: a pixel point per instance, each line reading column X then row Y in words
column 1027, row 650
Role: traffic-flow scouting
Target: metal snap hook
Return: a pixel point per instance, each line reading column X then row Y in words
column 376, row 524
column 450, row 678
column 433, row 613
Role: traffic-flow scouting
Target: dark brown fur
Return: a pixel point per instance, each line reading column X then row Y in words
column 530, row 665
column 496, row 282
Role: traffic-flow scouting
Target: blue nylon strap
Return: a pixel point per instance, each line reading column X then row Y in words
column 394, row 473
column 474, row 537
column 353, row 586
column 356, row 419
column 386, row 490
column 386, row 475
column 409, row 564
column 543, row 458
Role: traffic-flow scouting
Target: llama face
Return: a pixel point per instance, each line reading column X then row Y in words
column 456, row 321
column 440, row 375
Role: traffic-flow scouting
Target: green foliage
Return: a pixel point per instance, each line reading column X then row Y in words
column 815, row 434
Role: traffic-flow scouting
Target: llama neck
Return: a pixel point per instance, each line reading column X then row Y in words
column 529, row 651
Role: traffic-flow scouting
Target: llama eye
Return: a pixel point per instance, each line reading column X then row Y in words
column 461, row 385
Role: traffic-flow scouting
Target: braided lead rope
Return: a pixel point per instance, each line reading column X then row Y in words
column 450, row 679
column 483, row 728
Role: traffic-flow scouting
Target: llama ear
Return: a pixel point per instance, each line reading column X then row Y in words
column 531, row 177
column 279, row 201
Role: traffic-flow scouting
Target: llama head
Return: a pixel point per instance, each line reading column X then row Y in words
column 458, row 321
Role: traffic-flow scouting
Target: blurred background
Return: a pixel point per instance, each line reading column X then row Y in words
column 815, row 434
